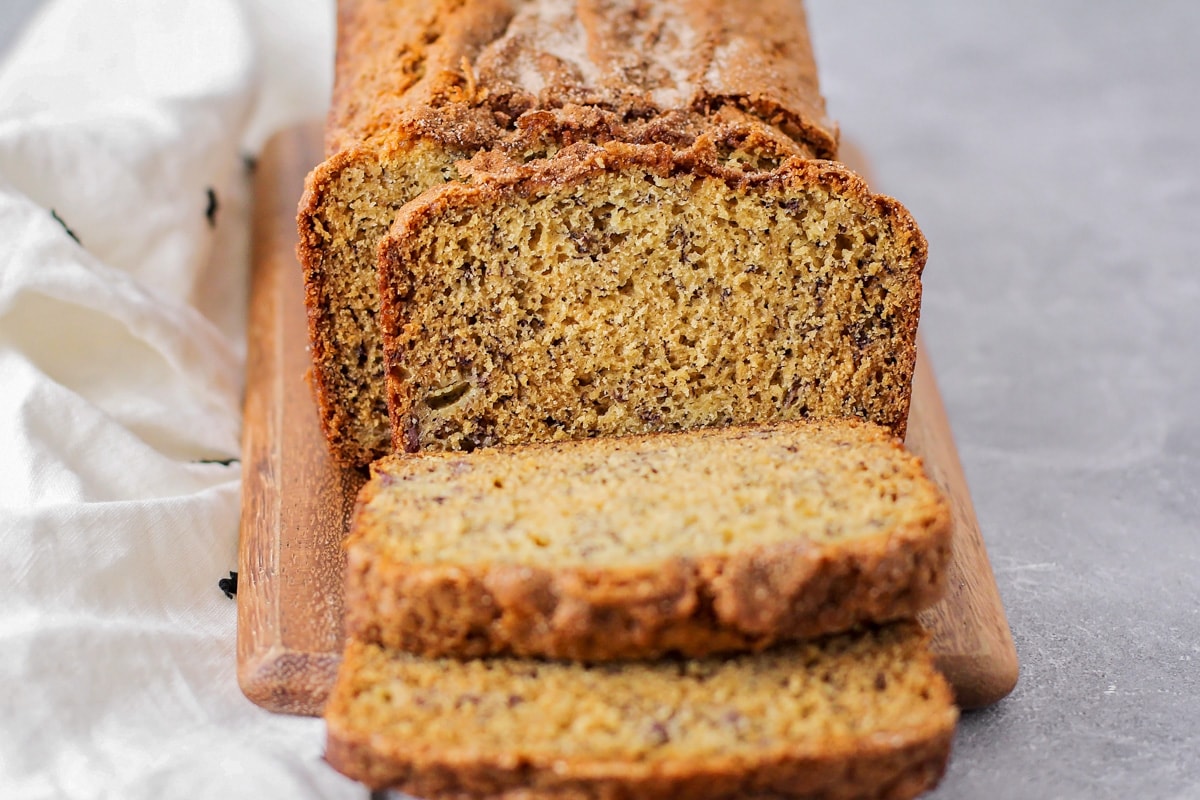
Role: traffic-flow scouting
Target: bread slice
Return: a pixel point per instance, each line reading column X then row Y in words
column 862, row 715
column 630, row 289
column 698, row 542
column 421, row 84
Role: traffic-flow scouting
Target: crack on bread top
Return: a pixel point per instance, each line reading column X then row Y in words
column 464, row 73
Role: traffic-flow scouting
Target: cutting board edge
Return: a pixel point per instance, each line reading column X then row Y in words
column 288, row 681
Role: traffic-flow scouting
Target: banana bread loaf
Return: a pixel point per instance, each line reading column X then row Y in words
column 863, row 715
column 626, row 289
column 713, row 540
column 421, row 84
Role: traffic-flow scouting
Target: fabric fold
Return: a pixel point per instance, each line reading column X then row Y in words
column 127, row 135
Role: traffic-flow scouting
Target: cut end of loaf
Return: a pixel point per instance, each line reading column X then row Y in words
column 352, row 199
column 864, row 714
column 349, row 203
column 624, row 289
column 418, row 86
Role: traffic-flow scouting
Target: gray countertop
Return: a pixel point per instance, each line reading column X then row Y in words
column 1051, row 154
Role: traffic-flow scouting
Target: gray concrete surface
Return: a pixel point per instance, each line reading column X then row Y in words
column 1051, row 152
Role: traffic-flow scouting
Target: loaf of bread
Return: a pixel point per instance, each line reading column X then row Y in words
column 623, row 289
column 864, row 715
column 697, row 542
column 421, row 84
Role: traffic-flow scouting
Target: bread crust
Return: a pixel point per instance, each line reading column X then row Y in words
column 463, row 72
column 694, row 608
column 897, row 759
column 747, row 599
column 884, row 770
column 494, row 177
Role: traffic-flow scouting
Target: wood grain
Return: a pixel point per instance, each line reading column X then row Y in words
column 971, row 637
column 297, row 502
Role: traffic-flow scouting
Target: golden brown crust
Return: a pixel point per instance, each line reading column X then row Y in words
column 884, row 770
column 898, row 746
column 494, row 176
column 464, row 72
column 716, row 605
column 747, row 599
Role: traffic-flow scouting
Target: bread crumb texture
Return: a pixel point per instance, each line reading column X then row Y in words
column 859, row 715
column 639, row 501
column 624, row 289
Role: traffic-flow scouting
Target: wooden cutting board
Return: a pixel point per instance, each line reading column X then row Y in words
column 296, row 502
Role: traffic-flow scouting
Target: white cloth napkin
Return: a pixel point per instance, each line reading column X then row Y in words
column 125, row 127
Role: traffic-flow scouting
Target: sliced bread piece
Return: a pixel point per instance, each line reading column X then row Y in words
column 696, row 542
column 861, row 715
column 636, row 288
